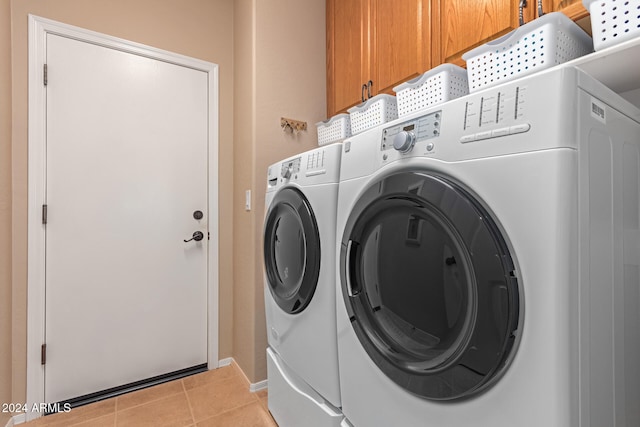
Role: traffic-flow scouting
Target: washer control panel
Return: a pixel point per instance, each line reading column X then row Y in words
column 403, row 136
column 495, row 114
column 290, row 167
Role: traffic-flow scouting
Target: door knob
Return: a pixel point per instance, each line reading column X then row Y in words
column 197, row 236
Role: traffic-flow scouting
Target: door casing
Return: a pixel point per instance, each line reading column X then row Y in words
column 38, row 30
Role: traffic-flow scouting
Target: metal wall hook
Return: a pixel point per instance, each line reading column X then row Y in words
column 290, row 125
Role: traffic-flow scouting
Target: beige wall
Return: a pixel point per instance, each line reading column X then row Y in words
column 272, row 64
column 280, row 72
column 5, row 206
column 244, row 124
column 199, row 28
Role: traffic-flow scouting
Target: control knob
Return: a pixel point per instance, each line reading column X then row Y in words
column 404, row 141
column 287, row 171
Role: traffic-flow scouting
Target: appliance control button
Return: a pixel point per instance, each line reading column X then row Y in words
column 430, row 146
column 483, row 135
column 500, row 132
column 519, row 128
column 468, row 138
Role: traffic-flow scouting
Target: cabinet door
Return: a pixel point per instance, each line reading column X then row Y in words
column 460, row 25
column 572, row 8
column 400, row 47
column 347, row 53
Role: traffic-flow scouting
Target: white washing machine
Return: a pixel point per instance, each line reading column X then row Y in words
column 489, row 253
column 299, row 257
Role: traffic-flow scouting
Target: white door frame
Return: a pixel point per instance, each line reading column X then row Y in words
column 38, row 30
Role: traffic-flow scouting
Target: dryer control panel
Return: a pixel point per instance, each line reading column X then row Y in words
column 515, row 117
column 402, row 136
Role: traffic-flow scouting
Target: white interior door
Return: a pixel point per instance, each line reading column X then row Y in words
column 126, row 168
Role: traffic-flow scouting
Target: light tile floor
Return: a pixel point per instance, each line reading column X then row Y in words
column 220, row 398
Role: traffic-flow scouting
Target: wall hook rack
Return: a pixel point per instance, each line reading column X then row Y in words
column 290, row 125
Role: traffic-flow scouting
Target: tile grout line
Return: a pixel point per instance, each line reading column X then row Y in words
column 239, row 374
column 184, row 389
column 164, row 396
column 242, row 375
column 228, row 410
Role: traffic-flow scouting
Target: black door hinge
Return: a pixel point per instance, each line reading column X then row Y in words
column 45, row 77
column 44, row 214
column 43, row 354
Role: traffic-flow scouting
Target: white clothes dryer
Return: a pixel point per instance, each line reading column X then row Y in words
column 299, row 258
column 489, row 261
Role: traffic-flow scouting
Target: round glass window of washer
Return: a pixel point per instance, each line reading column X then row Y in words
column 429, row 286
column 418, row 284
column 291, row 250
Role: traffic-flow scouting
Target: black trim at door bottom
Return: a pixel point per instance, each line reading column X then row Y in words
column 134, row 386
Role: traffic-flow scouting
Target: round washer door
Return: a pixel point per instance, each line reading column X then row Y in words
column 429, row 286
column 291, row 250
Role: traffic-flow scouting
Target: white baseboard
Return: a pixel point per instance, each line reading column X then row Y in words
column 225, row 362
column 17, row 419
column 253, row 387
column 261, row 385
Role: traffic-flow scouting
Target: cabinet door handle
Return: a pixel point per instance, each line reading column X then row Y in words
column 521, row 6
column 369, row 84
column 362, row 92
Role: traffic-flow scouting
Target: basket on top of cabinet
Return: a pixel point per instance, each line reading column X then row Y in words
column 440, row 84
column 334, row 129
column 373, row 112
column 542, row 43
column 613, row 21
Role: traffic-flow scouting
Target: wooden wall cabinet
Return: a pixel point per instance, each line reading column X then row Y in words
column 388, row 42
column 572, row 8
column 384, row 42
column 461, row 25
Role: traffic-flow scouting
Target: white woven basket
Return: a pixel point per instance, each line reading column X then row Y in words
column 335, row 129
column 441, row 84
column 613, row 21
column 375, row 111
column 547, row 41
